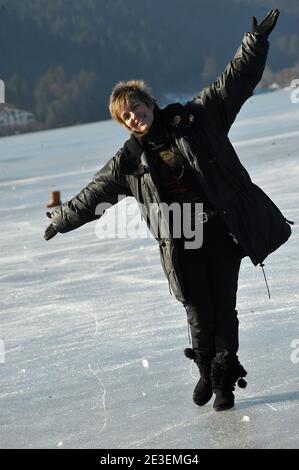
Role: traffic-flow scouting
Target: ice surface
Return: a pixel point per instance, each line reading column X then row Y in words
column 93, row 341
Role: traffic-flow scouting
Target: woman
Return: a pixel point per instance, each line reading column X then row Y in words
column 182, row 155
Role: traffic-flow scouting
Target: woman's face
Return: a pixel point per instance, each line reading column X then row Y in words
column 137, row 116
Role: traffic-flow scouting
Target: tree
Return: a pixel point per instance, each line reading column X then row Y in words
column 62, row 101
column 209, row 69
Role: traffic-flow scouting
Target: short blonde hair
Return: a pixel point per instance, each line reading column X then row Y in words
column 123, row 92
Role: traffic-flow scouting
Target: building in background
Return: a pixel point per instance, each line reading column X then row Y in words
column 14, row 120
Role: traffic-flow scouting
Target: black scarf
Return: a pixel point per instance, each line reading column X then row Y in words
column 174, row 120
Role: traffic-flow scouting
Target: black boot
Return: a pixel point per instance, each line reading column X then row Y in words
column 225, row 371
column 203, row 390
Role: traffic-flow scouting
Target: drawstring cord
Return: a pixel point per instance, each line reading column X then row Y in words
column 290, row 222
column 262, row 266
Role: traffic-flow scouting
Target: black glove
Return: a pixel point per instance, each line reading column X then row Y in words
column 50, row 230
column 267, row 25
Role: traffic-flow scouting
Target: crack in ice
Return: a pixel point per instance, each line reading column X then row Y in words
column 104, row 391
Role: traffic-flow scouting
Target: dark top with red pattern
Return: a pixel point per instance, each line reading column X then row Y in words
column 177, row 180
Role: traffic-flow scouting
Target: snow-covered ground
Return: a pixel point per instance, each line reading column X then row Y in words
column 91, row 350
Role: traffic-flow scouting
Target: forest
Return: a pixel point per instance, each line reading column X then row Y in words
column 61, row 58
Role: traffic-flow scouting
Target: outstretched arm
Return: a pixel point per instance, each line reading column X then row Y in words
column 106, row 186
column 223, row 99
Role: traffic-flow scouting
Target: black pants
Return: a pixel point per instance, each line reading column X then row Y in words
column 210, row 276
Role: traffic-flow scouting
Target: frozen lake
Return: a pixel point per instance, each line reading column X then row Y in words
column 91, row 350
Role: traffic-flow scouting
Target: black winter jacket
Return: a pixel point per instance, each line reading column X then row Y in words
column 200, row 130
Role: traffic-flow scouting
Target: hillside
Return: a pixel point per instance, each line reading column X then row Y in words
column 61, row 58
